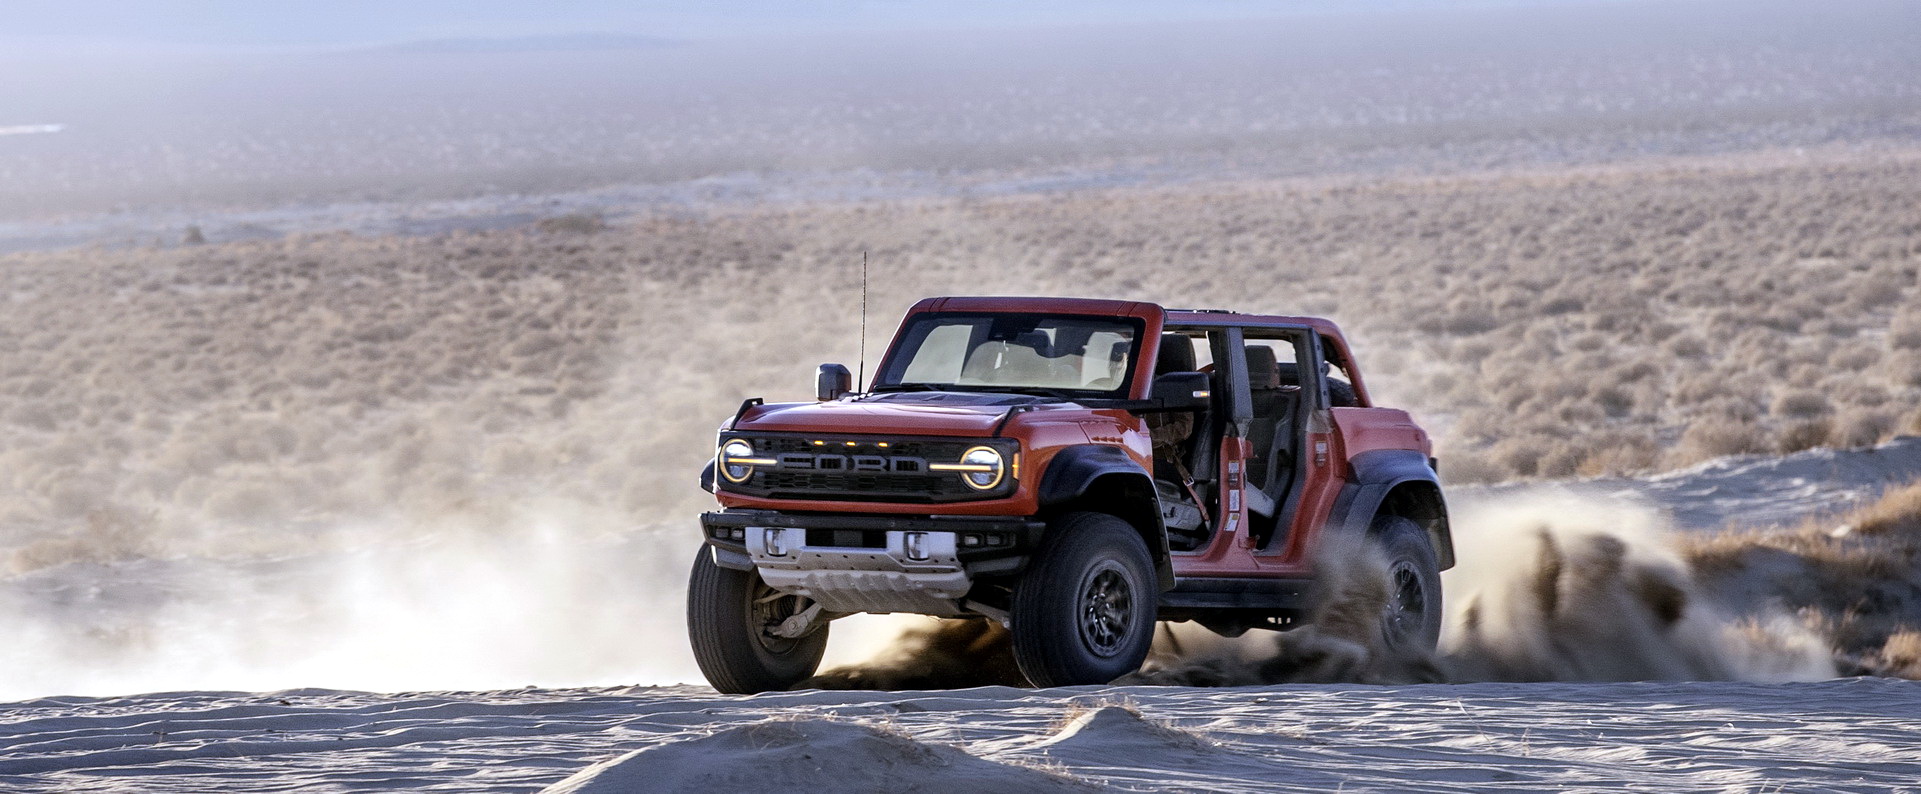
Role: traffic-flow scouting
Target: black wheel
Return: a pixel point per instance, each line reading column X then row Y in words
column 1084, row 611
column 729, row 614
column 1411, row 618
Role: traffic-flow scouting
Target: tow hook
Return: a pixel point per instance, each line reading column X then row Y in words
column 798, row 624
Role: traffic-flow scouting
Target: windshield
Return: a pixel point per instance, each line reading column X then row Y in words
column 1072, row 355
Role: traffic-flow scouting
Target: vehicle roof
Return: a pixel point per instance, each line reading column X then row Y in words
column 1044, row 305
column 1320, row 325
column 1203, row 317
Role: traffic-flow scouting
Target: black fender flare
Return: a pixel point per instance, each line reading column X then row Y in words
column 1097, row 472
column 1403, row 481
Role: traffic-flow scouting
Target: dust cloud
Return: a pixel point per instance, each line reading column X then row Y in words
column 456, row 608
column 929, row 654
column 1559, row 587
column 1552, row 586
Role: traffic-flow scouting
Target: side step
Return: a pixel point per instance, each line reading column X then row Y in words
column 1195, row 594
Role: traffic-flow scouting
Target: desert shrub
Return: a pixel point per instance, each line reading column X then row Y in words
column 1695, row 388
column 1561, row 459
column 1561, row 305
column 1614, row 401
column 1686, row 347
column 1904, row 332
column 1468, row 466
column 1467, row 323
column 1863, row 427
column 1523, row 454
column 1800, row 404
column 1855, row 360
column 1898, row 511
column 1850, row 577
column 1589, row 343
column 1850, row 390
column 572, row 223
column 1900, row 655
column 1877, row 290
column 1617, row 453
column 1904, row 369
column 1805, row 435
column 1715, row 436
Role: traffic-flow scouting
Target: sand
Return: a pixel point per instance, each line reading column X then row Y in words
column 1841, row 735
column 1750, row 490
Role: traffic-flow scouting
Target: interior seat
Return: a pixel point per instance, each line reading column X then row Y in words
column 1264, row 385
column 1177, row 355
column 1340, row 393
column 1022, row 361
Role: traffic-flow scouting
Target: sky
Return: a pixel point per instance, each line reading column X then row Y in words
column 191, row 24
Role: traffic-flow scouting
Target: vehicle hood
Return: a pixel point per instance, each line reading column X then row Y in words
column 919, row 413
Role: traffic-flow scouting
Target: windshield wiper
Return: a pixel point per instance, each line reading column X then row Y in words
column 913, row 387
column 1038, row 391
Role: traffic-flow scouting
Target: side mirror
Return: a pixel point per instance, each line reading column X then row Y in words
column 1182, row 391
column 833, row 381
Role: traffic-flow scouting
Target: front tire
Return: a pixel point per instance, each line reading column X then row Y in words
column 728, row 616
column 1084, row 611
column 1411, row 618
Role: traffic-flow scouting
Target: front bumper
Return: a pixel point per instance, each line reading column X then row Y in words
column 871, row 563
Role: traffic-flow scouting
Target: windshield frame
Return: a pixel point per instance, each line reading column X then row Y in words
column 887, row 378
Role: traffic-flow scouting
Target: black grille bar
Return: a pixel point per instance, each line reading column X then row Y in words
column 864, row 468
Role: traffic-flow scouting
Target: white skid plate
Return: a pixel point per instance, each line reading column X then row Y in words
column 930, row 582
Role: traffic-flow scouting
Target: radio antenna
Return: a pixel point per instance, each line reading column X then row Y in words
column 863, row 321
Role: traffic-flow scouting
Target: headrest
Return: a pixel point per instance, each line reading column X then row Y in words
column 1036, row 341
column 1288, row 374
column 1177, row 355
column 1263, row 369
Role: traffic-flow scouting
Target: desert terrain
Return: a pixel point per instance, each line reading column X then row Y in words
column 349, row 439
column 465, row 460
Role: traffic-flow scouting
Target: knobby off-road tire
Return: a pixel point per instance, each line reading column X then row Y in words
column 728, row 612
column 1411, row 618
column 1083, row 613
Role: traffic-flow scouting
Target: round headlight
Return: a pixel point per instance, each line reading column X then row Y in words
column 984, row 468
column 729, row 460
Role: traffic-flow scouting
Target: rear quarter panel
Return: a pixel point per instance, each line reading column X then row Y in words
column 1365, row 429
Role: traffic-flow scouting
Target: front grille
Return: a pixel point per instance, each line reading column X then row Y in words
column 877, row 485
column 832, row 469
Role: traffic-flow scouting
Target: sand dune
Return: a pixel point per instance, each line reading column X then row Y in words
column 801, row 754
column 1843, row 735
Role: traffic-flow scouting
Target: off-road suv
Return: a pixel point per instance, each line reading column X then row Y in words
column 1074, row 469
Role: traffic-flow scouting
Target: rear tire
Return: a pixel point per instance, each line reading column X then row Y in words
column 1411, row 618
column 1084, row 611
column 728, row 614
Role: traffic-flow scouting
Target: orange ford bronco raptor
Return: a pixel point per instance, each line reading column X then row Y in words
column 1074, row 469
